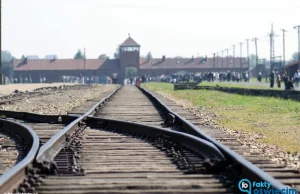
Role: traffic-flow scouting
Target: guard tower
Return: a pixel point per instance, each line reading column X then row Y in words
column 129, row 57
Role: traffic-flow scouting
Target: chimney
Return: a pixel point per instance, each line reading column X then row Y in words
column 53, row 59
column 24, row 60
column 163, row 58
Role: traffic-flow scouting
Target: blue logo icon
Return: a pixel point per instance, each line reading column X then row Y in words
column 245, row 186
column 262, row 187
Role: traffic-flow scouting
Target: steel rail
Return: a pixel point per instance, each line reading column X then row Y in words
column 49, row 150
column 185, row 126
column 16, row 174
column 194, row 143
column 38, row 118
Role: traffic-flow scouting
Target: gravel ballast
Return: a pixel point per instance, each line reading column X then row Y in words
column 10, row 88
column 59, row 102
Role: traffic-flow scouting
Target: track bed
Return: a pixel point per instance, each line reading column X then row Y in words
column 116, row 163
column 130, row 104
column 284, row 174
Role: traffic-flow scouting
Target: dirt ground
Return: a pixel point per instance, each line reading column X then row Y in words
column 8, row 89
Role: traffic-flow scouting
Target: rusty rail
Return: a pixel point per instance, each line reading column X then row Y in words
column 16, row 174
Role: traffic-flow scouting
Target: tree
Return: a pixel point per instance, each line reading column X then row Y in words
column 294, row 57
column 178, row 57
column 23, row 57
column 130, row 72
column 149, row 55
column 103, row 56
column 117, row 53
column 7, row 61
column 79, row 55
column 252, row 61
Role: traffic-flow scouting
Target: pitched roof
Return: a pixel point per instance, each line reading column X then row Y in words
column 190, row 63
column 292, row 64
column 129, row 42
column 64, row 64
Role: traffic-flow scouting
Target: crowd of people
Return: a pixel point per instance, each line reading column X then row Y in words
column 278, row 78
column 199, row 76
column 274, row 77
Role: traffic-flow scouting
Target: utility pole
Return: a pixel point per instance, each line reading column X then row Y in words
column 248, row 61
column 272, row 48
column 298, row 27
column 84, row 65
column 227, row 57
column 283, row 53
column 217, row 59
column 1, row 47
column 233, row 59
column 214, row 60
column 222, row 58
column 255, row 41
column 241, row 54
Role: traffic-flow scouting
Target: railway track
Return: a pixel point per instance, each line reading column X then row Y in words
column 129, row 104
column 18, row 96
column 26, row 141
column 12, row 149
column 123, row 151
column 282, row 173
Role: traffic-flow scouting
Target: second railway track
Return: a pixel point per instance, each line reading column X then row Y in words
column 125, row 150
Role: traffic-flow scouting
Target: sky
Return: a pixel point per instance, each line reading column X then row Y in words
column 164, row 27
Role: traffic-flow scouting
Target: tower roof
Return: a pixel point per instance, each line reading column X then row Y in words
column 129, row 42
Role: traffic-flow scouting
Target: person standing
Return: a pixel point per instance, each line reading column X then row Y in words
column 247, row 78
column 138, row 81
column 272, row 79
column 228, row 76
column 285, row 78
column 278, row 79
column 289, row 85
column 297, row 78
column 259, row 77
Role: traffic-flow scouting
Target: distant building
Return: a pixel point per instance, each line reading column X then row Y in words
column 52, row 69
column 292, row 67
column 50, row 57
column 32, row 57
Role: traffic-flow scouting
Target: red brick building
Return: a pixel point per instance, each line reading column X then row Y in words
column 292, row 68
column 54, row 69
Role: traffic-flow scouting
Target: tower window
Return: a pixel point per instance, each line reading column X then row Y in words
column 130, row 48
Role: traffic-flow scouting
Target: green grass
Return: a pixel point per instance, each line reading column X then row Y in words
column 243, row 85
column 277, row 119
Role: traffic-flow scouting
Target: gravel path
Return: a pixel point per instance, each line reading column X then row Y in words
column 10, row 88
column 208, row 118
column 8, row 153
column 58, row 102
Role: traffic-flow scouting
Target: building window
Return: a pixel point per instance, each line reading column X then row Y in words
column 130, row 48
